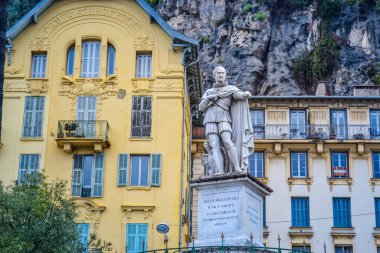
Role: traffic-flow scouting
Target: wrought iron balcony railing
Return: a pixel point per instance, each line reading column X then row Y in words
column 300, row 131
column 83, row 129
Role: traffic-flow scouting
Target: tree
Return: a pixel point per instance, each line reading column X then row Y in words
column 3, row 28
column 37, row 216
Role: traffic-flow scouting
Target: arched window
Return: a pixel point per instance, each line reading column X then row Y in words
column 70, row 61
column 111, row 60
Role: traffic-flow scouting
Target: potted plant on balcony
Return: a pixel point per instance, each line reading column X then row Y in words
column 358, row 136
column 332, row 134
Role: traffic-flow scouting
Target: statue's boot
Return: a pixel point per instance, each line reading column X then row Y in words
column 232, row 154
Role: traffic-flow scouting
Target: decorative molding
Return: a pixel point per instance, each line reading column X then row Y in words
column 342, row 235
column 147, row 211
column 144, row 43
column 278, row 116
column 319, row 148
column 264, row 180
column 360, row 148
column 88, row 211
column 318, row 117
column 36, row 86
column 340, row 181
column 13, row 72
column 40, row 44
column 142, row 85
column 299, row 235
column 360, row 116
column 277, row 148
column 300, row 181
column 374, row 182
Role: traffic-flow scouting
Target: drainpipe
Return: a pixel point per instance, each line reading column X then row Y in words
column 185, row 51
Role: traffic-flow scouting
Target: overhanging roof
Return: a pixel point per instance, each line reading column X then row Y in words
column 33, row 14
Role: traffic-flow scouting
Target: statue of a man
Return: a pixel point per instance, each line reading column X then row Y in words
column 227, row 124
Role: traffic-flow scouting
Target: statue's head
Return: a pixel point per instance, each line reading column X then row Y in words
column 219, row 74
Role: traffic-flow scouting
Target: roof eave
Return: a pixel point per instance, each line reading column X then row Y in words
column 15, row 30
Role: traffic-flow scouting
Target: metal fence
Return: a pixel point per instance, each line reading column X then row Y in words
column 83, row 129
column 227, row 249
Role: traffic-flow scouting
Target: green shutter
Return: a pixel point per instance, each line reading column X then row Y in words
column 98, row 176
column 122, row 171
column 156, row 169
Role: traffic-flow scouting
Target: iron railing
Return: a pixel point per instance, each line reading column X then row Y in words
column 226, row 249
column 83, row 129
column 318, row 132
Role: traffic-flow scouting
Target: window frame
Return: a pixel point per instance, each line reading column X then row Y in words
column 111, row 48
column 347, row 164
column 139, row 170
column 300, row 212
column 338, row 220
column 299, row 164
column 258, row 130
column 377, row 212
column 34, row 117
column 301, row 248
column 92, row 73
column 344, row 248
column 81, row 235
column 255, row 161
column 139, row 71
column 136, row 235
column 40, row 74
column 70, row 60
column 22, row 171
column 140, row 113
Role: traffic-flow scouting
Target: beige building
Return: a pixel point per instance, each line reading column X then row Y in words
column 321, row 157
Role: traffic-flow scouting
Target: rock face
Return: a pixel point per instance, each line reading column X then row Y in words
column 258, row 52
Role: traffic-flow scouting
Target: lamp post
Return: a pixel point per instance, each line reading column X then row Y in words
column 279, row 243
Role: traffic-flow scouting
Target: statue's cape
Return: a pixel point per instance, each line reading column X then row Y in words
column 242, row 129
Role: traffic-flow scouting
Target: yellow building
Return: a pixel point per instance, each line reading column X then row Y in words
column 99, row 93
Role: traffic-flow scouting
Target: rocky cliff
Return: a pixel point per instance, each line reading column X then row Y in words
column 273, row 49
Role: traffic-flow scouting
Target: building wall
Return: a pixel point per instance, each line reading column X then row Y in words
column 318, row 186
column 129, row 29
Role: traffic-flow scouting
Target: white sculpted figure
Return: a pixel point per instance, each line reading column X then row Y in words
column 227, row 124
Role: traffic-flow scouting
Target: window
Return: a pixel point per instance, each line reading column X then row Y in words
column 144, row 66
column 141, row 116
column 137, row 237
column 70, row 61
column 343, row 249
column 264, row 212
column 86, row 116
column 28, row 164
column 145, row 170
column 298, row 164
column 111, row 60
column 87, row 179
column 374, row 121
column 39, row 65
column 339, row 165
column 342, row 212
column 377, row 212
column 376, row 164
column 91, row 59
column 378, row 250
column 139, row 170
column 33, row 116
column 256, row 164
column 339, row 124
column 257, row 117
column 84, row 235
column 300, row 212
column 297, row 124
column 300, row 249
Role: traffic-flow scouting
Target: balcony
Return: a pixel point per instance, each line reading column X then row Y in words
column 306, row 132
column 83, row 133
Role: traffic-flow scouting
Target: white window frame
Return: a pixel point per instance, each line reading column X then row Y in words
column 256, row 163
column 39, row 65
column 33, row 165
column 144, row 65
column 34, row 115
column 140, row 171
column 91, row 54
column 298, row 167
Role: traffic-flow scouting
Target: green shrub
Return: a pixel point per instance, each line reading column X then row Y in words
column 206, row 39
column 302, row 69
column 325, row 57
column 327, row 9
column 219, row 59
column 247, row 7
column 376, row 79
column 260, row 16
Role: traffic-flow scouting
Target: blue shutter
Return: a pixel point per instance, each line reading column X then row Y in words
column 376, row 165
column 342, row 212
column 122, row 171
column 377, row 212
column 98, row 176
column 70, row 61
column 28, row 164
column 77, row 178
column 111, row 60
column 33, row 116
column 300, row 212
column 84, row 235
column 156, row 169
column 137, row 237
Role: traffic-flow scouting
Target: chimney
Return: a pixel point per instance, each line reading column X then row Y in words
column 366, row 91
column 321, row 89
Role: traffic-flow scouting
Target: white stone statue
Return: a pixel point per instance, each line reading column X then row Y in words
column 228, row 126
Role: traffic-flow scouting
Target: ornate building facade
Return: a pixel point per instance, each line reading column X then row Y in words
column 320, row 155
column 100, row 93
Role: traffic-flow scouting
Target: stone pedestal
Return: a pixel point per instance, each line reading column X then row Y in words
column 231, row 204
